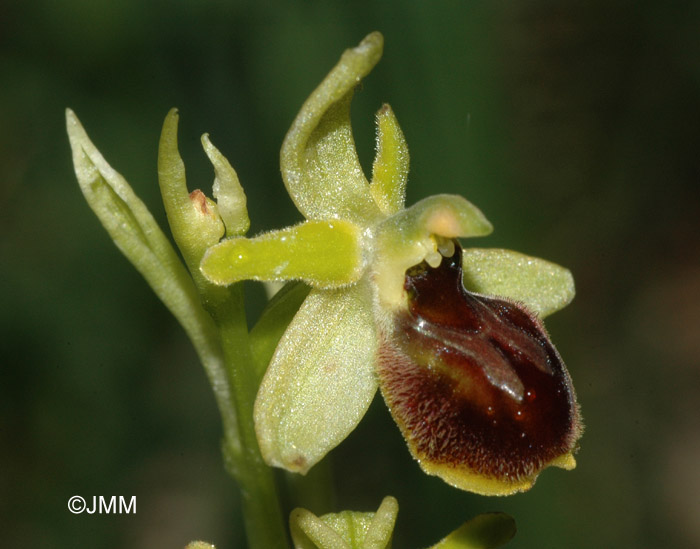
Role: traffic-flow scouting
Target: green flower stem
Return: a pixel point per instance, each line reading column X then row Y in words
column 314, row 490
column 263, row 518
column 196, row 224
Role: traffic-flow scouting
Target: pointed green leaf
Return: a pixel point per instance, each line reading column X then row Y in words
column 390, row 169
column 120, row 211
column 132, row 228
column 543, row 287
column 321, row 379
column 130, row 225
column 324, row 254
column 228, row 192
column 485, row 531
column 319, row 162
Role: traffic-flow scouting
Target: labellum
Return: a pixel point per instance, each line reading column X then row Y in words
column 474, row 383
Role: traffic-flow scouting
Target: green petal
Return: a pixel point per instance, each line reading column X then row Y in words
column 319, row 162
column 325, row 254
column 228, row 192
column 482, row 532
column 320, row 381
column 390, row 169
column 542, row 286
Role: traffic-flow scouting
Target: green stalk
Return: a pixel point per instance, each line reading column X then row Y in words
column 196, row 225
column 265, row 525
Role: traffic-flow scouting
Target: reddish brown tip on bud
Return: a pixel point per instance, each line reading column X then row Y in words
column 199, row 199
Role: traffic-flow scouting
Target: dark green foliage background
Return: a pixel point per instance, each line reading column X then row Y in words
column 575, row 129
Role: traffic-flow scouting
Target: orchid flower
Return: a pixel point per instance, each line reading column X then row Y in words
column 453, row 337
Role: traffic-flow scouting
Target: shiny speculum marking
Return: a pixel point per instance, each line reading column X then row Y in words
column 474, row 382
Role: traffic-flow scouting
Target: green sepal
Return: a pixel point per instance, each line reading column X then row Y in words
column 542, row 286
column 345, row 530
column 274, row 320
column 318, row 159
column 390, row 168
column 321, row 379
column 324, row 254
column 485, row 531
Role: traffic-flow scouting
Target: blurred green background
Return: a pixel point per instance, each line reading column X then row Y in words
column 574, row 127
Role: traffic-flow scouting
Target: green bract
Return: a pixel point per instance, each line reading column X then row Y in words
column 353, row 250
column 357, row 530
column 345, row 530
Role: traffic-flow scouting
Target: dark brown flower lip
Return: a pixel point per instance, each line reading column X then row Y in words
column 474, row 382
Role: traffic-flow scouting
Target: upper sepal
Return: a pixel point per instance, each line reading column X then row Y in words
column 318, row 159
